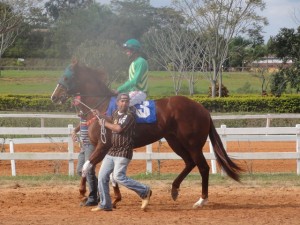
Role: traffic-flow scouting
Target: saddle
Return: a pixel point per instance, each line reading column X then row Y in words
column 145, row 112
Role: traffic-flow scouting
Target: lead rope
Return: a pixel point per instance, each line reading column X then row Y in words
column 103, row 131
column 102, row 126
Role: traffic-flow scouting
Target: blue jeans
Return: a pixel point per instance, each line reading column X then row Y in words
column 117, row 166
column 84, row 154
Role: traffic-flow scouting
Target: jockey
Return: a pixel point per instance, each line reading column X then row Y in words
column 137, row 83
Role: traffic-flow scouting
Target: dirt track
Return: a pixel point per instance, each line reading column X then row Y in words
column 233, row 203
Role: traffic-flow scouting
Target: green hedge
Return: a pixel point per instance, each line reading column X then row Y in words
column 284, row 104
column 38, row 103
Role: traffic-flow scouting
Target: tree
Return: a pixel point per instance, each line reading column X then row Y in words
column 237, row 52
column 9, row 26
column 35, row 39
column 286, row 45
column 100, row 21
column 104, row 54
column 278, row 83
column 220, row 21
column 134, row 18
column 73, row 29
column 56, row 8
column 176, row 48
column 13, row 15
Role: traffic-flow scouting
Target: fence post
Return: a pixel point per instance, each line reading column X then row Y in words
column 298, row 147
column 149, row 161
column 70, row 150
column 268, row 121
column 224, row 141
column 213, row 161
column 12, row 162
column 43, row 124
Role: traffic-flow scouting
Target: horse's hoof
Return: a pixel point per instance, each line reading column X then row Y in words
column 82, row 192
column 174, row 193
column 81, row 204
column 83, row 201
column 201, row 202
column 114, row 204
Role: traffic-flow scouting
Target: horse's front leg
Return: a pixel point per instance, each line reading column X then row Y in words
column 176, row 183
column 117, row 195
column 96, row 157
column 82, row 190
column 82, row 186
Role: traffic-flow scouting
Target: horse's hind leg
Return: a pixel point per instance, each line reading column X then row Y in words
column 204, row 171
column 189, row 165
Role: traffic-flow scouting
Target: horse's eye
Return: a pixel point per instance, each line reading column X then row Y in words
column 65, row 78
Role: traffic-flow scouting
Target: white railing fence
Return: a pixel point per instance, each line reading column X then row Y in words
column 272, row 134
column 267, row 117
column 66, row 137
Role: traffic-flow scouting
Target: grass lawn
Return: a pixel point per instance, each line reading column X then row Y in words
column 160, row 82
column 262, row 179
column 28, row 82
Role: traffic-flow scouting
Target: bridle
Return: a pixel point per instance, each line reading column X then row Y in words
column 68, row 85
column 103, row 130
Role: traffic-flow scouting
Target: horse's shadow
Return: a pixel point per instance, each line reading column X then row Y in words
column 249, row 206
column 219, row 206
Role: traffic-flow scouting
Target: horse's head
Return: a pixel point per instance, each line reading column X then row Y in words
column 80, row 80
column 67, row 85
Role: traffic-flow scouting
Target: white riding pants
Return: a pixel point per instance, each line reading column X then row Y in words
column 136, row 97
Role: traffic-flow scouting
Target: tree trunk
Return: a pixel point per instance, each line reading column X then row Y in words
column 213, row 88
column 220, row 83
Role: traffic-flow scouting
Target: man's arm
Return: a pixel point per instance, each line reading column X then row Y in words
column 75, row 131
column 114, row 127
column 140, row 68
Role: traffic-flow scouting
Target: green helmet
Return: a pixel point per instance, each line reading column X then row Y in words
column 132, row 44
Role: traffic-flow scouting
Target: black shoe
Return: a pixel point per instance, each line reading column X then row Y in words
column 91, row 203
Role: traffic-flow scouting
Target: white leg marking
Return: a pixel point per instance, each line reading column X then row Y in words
column 201, row 202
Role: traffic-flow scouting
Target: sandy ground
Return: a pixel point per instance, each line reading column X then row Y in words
column 231, row 203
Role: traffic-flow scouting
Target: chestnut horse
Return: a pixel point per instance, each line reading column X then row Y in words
column 184, row 123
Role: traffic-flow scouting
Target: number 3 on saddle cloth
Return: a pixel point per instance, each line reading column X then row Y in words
column 145, row 112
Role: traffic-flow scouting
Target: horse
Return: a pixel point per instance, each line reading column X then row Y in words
column 184, row 123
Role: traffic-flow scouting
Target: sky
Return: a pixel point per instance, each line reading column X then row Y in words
column 278, row 12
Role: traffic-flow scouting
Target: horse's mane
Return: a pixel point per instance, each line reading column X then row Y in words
column 98, row 75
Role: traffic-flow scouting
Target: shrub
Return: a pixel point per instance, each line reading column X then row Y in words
column 225, row 92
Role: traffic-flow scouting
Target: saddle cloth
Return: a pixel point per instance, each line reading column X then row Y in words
column 145, row 112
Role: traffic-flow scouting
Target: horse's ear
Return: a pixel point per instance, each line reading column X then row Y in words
column 74, row 61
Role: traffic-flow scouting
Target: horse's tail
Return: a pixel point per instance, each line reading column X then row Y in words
column 231, row 169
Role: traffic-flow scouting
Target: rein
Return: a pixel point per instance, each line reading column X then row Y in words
column 96, row 106
column 103, row 130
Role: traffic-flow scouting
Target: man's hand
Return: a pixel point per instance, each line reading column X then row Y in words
column 86, row 168
column 95, row 112
column 115, row 92
column 74, row 136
